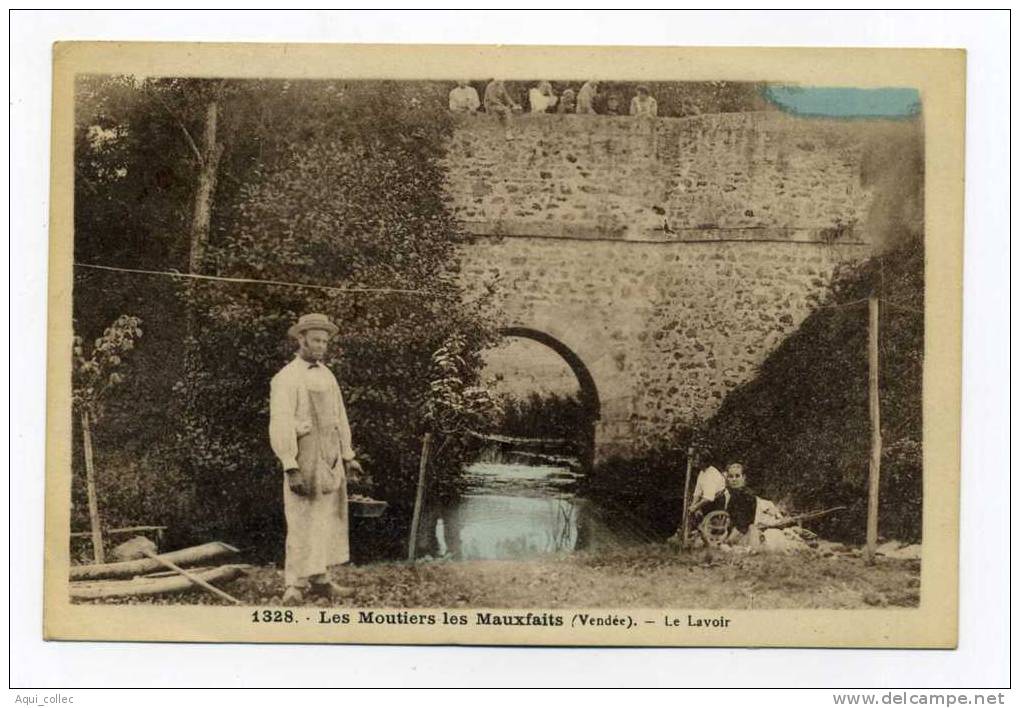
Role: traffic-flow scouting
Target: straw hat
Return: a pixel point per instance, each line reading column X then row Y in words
column 312, row 320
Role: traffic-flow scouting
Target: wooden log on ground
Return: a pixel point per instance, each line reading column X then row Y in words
column 127, row 569
column 139, row 587
column 171, row 573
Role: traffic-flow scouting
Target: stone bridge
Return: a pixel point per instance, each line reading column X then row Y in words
column 662, row 259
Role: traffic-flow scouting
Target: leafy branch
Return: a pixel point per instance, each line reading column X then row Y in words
column 455, row 406
column 95, row 375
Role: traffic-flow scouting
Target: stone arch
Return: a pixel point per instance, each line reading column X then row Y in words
column 589, row 394
column 589, row 391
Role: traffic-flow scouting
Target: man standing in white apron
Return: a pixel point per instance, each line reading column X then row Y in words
column 310, row 434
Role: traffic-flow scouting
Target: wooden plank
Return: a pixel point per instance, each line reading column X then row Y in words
column 127, row 569
column 171, row 573
column 121, row 531
column 196, row 579
column 151, row 586
column 509, row 439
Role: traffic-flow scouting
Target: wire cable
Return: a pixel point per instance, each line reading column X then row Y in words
column 248, row 281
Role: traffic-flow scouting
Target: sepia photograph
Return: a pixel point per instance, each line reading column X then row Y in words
column 601, row 357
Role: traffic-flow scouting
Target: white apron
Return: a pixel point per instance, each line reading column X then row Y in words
column 317, row 524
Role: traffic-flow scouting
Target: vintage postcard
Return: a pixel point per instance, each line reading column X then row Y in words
column 504, row 345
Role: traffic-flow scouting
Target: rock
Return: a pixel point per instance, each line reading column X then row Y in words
column 830, row 547
column 874, row 599
column 782, row 540
column 132, row 549
column 885, row 548
column 911, row 552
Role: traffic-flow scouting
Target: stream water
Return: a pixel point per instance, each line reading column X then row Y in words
column 512, row 511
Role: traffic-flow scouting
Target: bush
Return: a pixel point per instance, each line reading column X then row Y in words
column 539, row 415
column 329, row 183
column 645, row 490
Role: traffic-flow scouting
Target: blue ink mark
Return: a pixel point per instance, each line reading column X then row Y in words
column 833, row 102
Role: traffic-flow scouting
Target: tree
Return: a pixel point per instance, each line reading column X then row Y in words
column 354, row 213
column 92, row 380
column 552, row 415
column 329, row 183
column 454, row 409
column 137, row 173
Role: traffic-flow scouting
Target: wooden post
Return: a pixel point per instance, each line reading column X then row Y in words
column 90, row 485
column 419, row 496
column 686, row 516
column 876, row 431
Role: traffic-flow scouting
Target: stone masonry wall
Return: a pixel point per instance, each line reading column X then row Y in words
column 671, row 255
column 712, row 176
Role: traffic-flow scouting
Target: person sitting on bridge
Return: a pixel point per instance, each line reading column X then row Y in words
column 541, row 97
column 463, row 98
column 567, row 102
column 586, row 97
column 498, row 101
column 643, row 104
column 613, row 106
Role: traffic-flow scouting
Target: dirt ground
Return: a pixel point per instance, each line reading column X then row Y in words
column 645, row 576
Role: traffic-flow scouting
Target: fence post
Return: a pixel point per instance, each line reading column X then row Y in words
column 90, row 485
column 419, row 496
column 686, row 516
column 875, row 461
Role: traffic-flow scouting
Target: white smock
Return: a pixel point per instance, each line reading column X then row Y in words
column 309, row 431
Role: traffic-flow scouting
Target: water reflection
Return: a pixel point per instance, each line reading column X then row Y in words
column 512, row 511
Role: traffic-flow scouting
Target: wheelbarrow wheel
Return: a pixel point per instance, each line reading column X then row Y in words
column 715, row 527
